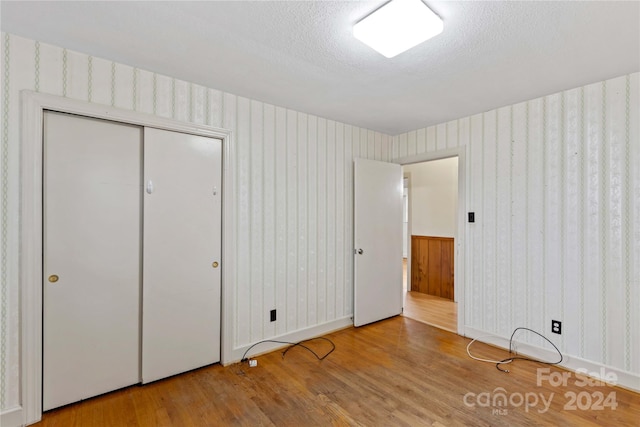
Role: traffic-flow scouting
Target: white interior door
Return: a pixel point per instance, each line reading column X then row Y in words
column 378, row 241
column 182, row 248
column 92, row 243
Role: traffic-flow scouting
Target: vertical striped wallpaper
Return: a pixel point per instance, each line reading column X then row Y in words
column 293, row 176
column 555, row 185
column 554, row 182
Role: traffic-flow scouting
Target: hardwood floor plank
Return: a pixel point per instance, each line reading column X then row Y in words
column 396, row 372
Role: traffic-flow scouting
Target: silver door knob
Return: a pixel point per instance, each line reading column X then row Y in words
column 360, row 251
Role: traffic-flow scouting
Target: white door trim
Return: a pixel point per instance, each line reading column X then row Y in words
column 407, row 175
column 30, row 270
column 460, row 236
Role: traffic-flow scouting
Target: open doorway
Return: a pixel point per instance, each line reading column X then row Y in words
column 430, row 204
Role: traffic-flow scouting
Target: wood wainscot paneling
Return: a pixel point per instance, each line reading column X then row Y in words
column 432, row 266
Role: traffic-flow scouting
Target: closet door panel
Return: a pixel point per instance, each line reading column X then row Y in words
column 91, row 261
column 181, row 261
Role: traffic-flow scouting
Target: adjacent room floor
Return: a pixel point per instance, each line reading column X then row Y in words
column 435, row 311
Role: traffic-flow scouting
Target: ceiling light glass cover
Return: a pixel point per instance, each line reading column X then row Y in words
column 398, row 26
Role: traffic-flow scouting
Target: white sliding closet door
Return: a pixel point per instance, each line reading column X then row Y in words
column 182, row 247
column 91, row 261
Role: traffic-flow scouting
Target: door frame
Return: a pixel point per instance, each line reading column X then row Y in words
column 460, row 236
column 30, row 269
column 407, row 176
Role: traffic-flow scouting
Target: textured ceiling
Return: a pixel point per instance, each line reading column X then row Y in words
column 301, row 54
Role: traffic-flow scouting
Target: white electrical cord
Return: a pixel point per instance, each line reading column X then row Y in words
column 512, row 350
column 500, row 362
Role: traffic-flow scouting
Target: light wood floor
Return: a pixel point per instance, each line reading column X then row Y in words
column 435, row 311
column 397, row 372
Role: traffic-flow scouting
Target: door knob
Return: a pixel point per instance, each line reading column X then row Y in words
column 360, row 251
column 215, row 264
column 53, row 278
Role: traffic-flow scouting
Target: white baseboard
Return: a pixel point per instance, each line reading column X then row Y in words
column 295, row 336
column 12, row 417
column 624, row 379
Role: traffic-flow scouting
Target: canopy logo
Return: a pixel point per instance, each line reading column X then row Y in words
column 500, row 401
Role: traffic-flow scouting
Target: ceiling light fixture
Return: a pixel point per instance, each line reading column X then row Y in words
column 398, row 26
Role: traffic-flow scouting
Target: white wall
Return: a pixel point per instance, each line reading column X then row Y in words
column 433, row 194
column 554, row 182
column 555, row 185
column 293, row 175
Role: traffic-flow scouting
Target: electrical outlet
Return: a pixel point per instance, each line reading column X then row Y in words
column 273, row 315
column 556, row 327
